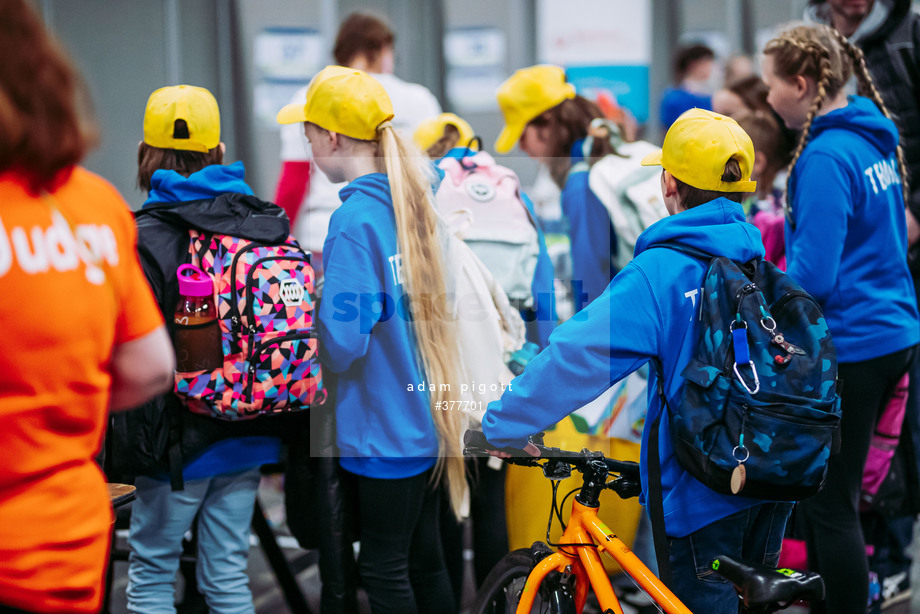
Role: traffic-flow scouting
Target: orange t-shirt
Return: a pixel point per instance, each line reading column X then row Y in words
column 72, row 289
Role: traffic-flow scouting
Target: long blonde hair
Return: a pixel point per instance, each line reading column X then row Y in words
column 827, row 57
column 432, row 323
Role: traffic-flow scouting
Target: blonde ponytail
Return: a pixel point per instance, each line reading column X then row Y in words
column 425, row 269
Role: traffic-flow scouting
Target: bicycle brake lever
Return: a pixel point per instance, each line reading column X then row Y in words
column 556, row 469
column 537, row 439
column 624, row 487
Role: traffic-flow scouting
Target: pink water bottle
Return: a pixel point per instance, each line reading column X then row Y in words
column 197, row 339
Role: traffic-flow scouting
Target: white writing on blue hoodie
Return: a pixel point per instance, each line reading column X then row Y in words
column 396, row 268
column 883, row 174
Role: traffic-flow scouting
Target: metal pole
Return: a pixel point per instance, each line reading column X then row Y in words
column 224, row 26
column 328, row 23
column 747, row 28
column 172, row 53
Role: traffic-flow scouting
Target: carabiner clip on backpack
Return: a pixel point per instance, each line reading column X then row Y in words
column 742, row 355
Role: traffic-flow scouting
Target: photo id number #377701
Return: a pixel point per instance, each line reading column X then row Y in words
column 459, row 406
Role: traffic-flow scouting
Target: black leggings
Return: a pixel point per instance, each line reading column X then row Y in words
column 489, row 528
column 836, row 548
column 401, row 562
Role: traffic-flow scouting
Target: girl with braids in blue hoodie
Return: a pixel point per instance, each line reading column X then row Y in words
column 846, row 242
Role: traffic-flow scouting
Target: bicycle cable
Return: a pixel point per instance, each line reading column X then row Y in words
column 549, row 524
column 561, row 546
column 562, row 505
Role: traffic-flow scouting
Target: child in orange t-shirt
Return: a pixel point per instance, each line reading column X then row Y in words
column 79, row 319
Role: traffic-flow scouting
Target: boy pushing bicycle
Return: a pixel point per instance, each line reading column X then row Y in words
column 650, row 312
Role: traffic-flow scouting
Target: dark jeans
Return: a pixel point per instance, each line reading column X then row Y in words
column 754, row 534
column 401, row 562
column 836, row 548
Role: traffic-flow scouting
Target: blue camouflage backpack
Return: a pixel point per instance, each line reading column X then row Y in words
column 759, row 411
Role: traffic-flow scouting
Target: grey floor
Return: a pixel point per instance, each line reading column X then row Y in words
column 269, row 599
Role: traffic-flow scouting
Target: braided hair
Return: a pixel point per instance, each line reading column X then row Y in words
column 868, row 89
column 809, row 52
column 829, row 59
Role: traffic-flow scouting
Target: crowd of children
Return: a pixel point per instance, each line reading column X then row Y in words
column 788, row 167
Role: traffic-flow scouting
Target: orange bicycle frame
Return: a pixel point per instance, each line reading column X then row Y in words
column 585, row 562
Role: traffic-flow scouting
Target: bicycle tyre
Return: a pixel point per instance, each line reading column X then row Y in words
column 501, row 590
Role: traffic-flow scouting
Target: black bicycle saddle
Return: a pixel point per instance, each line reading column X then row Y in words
column 760, row 585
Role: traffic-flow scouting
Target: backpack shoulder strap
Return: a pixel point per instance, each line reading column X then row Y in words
column 655, row 493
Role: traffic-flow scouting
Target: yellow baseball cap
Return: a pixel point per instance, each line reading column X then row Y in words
column 343, row 100
column 195, row 105
column 697, row 146
column 431, row 130
column 525, row 95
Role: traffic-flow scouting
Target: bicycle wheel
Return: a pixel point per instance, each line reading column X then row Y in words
column 501, row 590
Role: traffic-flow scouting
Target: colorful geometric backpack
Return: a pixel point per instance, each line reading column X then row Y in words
column 265, row 306
column 481, row 203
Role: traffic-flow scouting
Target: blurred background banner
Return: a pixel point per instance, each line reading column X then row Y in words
column 605, row 47
column 474, row 60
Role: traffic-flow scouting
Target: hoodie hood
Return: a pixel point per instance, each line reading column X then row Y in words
column 377, row 185
column 717, row 228
column 374, row 185
column 206, row 201
column 862, row 117
column 171, row 187
column 881, row 20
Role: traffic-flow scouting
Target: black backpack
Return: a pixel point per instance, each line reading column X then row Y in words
column 759, row 412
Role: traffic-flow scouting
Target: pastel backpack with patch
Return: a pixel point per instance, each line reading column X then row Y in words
column 630, row 192
column 481, row 203
column 489, row 330
column 265, row 306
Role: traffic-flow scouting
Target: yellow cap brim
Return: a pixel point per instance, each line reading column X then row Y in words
column 292, row 114
column 508, row 138
column 652, row 159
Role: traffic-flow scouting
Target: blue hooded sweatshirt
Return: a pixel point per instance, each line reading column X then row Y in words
column 650, row 309
column 591, row 235
column 171, row 187
column 850, row 238
column 383, row 421
column 541, row 320
column 230, row 455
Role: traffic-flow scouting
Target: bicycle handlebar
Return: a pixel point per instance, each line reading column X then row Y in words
column 476, row 444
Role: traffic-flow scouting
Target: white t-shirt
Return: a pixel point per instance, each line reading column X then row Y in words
column 412, row 103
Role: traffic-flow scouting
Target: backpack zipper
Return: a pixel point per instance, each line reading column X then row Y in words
column 250, row 308
column 235, row 315
column 234, row 305
column 788, row 296
column 742, row 292
column 250, row 302
column 247, row 391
